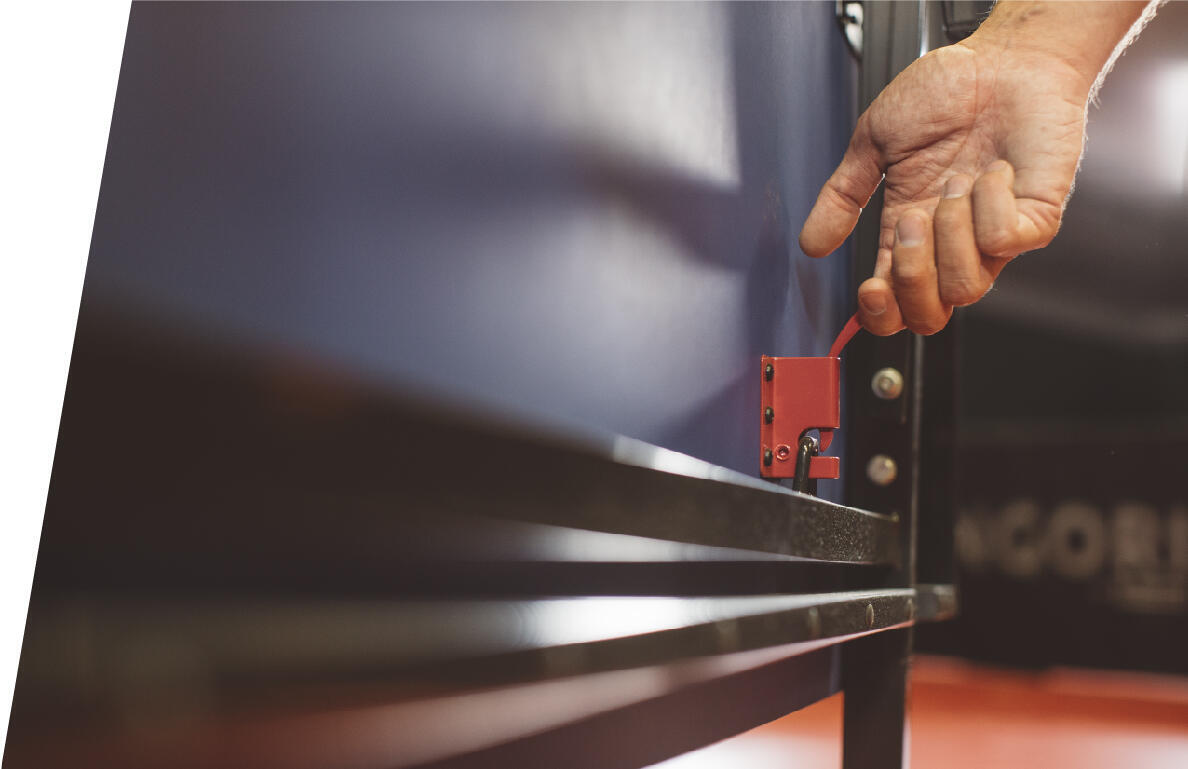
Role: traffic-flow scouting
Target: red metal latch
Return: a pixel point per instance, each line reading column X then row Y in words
column 798, row 395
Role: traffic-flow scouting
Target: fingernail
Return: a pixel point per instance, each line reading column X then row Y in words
column 873, row 304
column 957, row 187
column 910, row 230
column 998, row 165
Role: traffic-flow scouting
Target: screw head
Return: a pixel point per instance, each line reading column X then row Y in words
column 881, row 470
column 783, row 451
column 768, row 372
column 870, row 615
column 768, row 415
column 767, row 457
column 887, row 383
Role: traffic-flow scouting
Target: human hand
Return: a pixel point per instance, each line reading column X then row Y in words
column 979, row 143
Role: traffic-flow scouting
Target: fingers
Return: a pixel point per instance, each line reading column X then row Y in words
column 1004, row 225
column 961, row 276
column 995, row 217
column 844, row 196
column 914, row 274
column 925, row 267
column 877, row 309
column 929, row 264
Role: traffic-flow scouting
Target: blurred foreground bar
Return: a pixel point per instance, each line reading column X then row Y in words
column 349, row 595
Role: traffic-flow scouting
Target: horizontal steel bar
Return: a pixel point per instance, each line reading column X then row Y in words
column 262, row 667
column 935, row 603
column 245, row 645
column 629, row 717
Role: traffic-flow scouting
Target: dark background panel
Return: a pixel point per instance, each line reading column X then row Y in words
column 1072, row 530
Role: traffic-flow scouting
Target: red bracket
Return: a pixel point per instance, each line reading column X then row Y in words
column 800, row 394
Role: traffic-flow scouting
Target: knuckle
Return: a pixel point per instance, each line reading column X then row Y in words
column 953, row 212
column 863, row 128
column 926, row 327
column 960, row 291
column 949, row 222
column 1045, row 225
column 843, row 197
column 998, row 243
column 847, row 190
column 912, row 277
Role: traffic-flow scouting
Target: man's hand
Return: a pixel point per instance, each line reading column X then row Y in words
column 979, row 143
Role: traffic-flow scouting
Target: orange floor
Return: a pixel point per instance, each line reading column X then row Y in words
column 976, row 717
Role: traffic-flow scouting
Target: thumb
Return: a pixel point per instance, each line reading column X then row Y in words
column 844, row 196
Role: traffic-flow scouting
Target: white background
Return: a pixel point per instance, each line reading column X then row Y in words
column 59, row 63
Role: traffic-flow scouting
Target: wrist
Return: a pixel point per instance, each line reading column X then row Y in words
column 1075, row 38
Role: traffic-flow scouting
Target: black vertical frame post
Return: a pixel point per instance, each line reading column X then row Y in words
column 885, row 431
column 875, row 682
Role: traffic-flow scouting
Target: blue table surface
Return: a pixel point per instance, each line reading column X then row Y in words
column 579, row 216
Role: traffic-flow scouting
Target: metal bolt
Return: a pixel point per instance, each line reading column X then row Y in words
column 768, row 372
column 767, row 457
column 783, row 451
column 887, row 383
column 870, row 615
column 768, row 415
column 881, row 470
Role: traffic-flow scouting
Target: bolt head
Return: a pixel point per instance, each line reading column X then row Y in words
column 768, row 372
column 767, row 457
column 768, row 415
column 887, row 383
column 881, row 470
column 783, row 451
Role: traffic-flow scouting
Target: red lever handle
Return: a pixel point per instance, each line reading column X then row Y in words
column 801, row 394
column 843, row 338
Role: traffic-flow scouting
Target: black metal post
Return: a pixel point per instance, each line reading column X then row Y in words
column 884, row 440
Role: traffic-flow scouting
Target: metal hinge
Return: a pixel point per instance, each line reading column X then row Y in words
column 799, row 396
